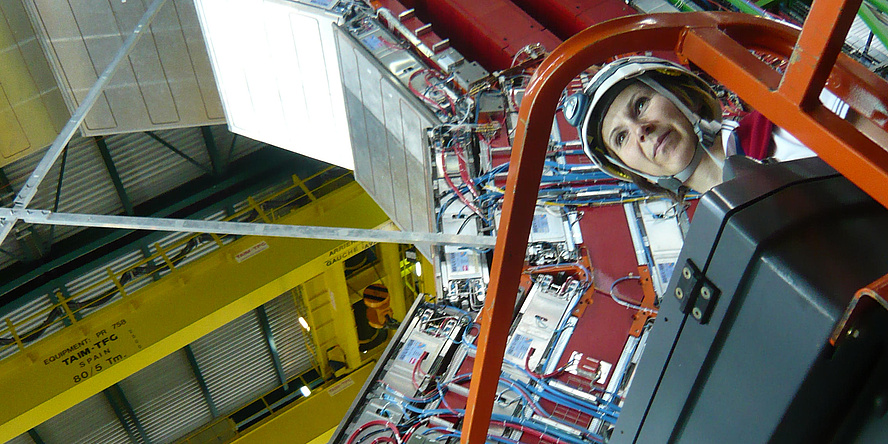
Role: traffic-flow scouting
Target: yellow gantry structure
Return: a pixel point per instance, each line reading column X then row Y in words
column 55, row 373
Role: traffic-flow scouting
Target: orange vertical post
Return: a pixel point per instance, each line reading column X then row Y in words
column 816, row 50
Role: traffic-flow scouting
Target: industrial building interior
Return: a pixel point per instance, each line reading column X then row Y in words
column 289, row 221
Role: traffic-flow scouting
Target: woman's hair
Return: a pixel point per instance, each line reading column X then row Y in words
column 696, row 99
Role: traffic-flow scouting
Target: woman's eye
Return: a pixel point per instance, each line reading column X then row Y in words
column 620, row 138
column 640, row 103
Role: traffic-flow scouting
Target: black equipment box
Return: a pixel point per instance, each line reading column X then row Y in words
column 740, row 350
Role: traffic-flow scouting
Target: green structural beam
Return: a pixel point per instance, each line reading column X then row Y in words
column 201, row 381
column 37, row 439
column 124, row 410
column 272, row 347
column 212, row 150
column 115, row 176
column 179, row 152
column 58, row 197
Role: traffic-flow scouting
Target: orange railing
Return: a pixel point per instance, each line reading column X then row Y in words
column 719, row 43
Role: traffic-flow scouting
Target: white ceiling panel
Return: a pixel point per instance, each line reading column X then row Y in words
column 276, row 66
column 166, row 82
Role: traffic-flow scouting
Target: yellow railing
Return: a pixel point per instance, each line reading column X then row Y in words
column 68, row 310
column 225, row 428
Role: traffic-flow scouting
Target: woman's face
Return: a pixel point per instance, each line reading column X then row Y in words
column 648, row 132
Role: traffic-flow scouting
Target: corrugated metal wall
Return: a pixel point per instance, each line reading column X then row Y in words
column 91, row 422
column 21, row 439
column 86, row 186
column 236, row 363
column 146, row 168
column 167, row 398
column 293, row 343
column 144, row 164
column 29, row 310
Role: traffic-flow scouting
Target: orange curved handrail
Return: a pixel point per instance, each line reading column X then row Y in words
column 720, row 44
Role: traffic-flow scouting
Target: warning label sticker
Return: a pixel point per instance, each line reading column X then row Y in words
column 411, row 352
column 518, row 346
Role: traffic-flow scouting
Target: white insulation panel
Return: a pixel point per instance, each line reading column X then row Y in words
column 276, row 66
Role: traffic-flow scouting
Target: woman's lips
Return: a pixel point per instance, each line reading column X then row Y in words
column 660, row 142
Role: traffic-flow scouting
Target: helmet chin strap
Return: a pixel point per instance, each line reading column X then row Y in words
column 675, row 181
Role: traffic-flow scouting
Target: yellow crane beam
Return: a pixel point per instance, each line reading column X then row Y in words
column 100, row 350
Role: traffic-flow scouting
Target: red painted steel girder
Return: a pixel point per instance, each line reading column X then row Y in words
column 490, row 32
column 568, row 17
column 719, row 43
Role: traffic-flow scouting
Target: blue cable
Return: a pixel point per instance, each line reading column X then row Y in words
column 553, row 394
column 543, row 428
column 559, row 398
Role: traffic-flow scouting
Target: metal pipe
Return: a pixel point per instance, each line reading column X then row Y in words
column 684, row 6
column 881, row 5
column 396, row 25
column 873, row 23
column 29, row 190
column 242, row 228
column 748, row 7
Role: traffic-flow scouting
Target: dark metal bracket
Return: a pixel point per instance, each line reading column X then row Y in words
column 696, row 295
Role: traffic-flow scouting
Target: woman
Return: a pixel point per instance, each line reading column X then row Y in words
column 653, row 122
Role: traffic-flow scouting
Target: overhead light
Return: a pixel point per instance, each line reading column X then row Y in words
column 304, row 323
column 305, row 391
column 418, row 268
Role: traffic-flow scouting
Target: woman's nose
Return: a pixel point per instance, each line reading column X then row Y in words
column 643, row 130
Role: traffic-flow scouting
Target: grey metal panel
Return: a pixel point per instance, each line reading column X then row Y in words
column 167, row 398
column 290, row 338
column 17, row 19
column 235, row 363
column 90, row 422
column 388, row 128
column 750, row 238
column 275, row 64
column 652, row 6
column 165, row 83
column 32, row 86
column 397, row 153
column 205, row 83
column 418, row 169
